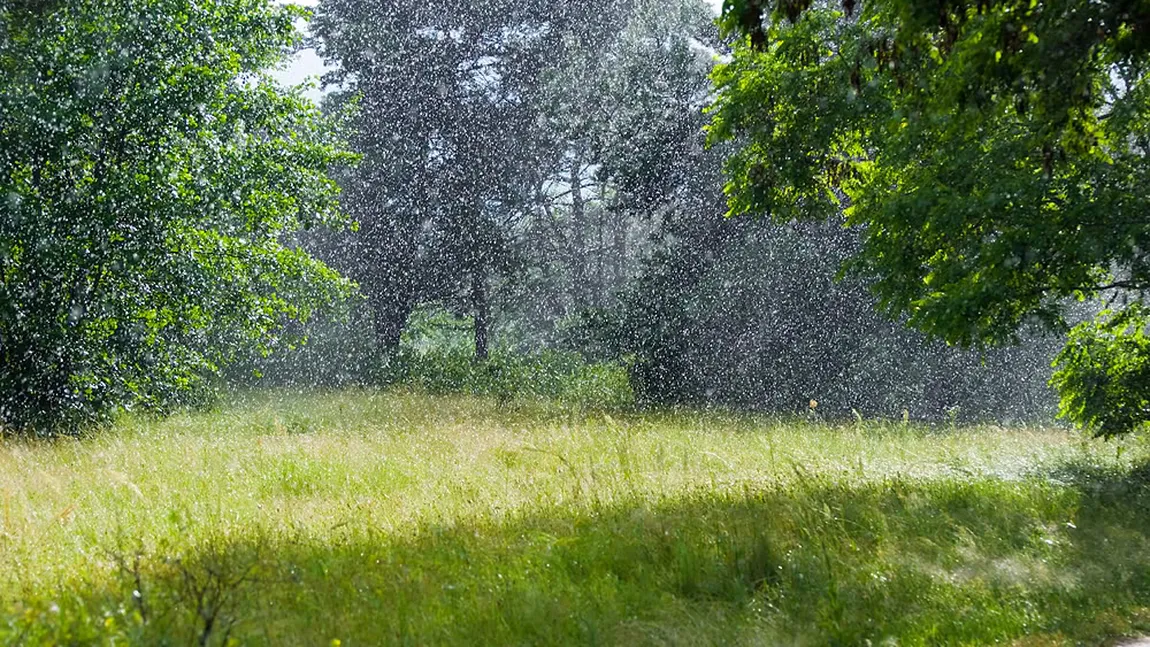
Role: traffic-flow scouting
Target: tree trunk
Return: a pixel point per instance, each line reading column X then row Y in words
column 578, row 237
column 600, row 250
column 387, row 274
column 619, row 260
column 389, row 318
column 479, row 300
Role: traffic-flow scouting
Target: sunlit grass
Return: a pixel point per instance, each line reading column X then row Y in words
column 364, row 517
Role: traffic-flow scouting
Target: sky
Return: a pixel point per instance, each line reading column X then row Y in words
column 308, row 65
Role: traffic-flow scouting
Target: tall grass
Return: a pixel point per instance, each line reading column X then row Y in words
column 364, row 517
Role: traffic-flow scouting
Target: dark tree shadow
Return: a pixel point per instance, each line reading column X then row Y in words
column 1059, row 559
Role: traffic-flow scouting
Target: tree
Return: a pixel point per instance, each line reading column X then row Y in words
column 624, row 118
column 451, row 153
column 747, row 313
column 151, row 179
column 995, row 153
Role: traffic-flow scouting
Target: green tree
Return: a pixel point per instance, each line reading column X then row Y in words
column 452, row 152
column 151, row 179
column 995, row 153
column 624, row 117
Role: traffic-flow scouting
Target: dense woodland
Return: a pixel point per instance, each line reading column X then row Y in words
column 635, row 194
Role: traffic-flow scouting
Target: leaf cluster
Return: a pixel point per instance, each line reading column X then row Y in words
column 994, row 152
column 152, row 177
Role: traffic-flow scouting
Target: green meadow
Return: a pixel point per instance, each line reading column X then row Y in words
column 396, row 517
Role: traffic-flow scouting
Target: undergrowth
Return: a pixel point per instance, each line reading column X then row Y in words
column 436, row 355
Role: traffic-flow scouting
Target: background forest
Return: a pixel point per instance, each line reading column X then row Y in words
column 536, row 192
column 501, row 197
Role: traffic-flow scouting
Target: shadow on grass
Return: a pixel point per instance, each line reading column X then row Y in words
column 1032, row 562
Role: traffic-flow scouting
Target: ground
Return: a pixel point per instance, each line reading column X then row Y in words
column 362, row 517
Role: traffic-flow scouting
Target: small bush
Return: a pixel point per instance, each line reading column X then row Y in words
column 562, row 377
column 437, row 355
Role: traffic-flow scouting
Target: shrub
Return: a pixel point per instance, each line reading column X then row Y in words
column 437, row 355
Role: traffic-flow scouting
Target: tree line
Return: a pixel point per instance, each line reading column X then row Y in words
column 558, row 174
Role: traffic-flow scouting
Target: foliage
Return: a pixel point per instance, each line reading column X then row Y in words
column 994, row 151
column 393, row 518
column 151, row 180
column 767, row 295
column 1104, row 372
column 437, row 355
column 452, row 155
column 555, row 377
column 538, row 162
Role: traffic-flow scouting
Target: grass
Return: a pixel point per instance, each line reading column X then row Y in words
column 363, row 518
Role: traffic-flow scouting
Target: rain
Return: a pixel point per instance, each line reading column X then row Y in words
column 551, row 322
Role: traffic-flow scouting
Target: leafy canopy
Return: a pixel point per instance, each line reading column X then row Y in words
column 151, row 178
column 995, row 153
